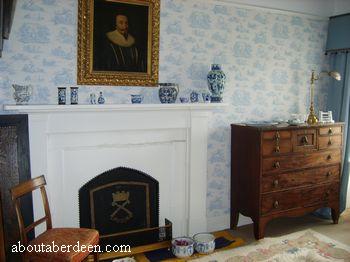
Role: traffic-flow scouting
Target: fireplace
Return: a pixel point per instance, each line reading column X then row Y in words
column 119, row 202
column 72, row 144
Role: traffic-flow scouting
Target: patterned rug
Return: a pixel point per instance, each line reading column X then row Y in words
column 303, row 246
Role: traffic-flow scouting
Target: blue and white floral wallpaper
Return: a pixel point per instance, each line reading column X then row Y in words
column 267, row 57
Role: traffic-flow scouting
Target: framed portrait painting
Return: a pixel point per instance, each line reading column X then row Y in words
column 118, row 42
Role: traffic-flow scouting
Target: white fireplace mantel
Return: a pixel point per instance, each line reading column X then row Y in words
column 113, row 107
column 71, row 144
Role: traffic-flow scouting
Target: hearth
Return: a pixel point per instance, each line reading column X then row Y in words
column 123, row 205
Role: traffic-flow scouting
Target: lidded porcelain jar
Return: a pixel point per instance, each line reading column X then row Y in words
column 216, row 83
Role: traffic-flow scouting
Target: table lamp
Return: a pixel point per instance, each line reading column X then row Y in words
column 312, row 118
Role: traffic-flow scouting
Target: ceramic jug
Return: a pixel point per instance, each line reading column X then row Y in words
column 22, row 93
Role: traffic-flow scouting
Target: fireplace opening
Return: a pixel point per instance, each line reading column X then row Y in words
column 123, row 205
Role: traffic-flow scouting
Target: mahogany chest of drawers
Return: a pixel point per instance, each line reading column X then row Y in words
column 287, row 171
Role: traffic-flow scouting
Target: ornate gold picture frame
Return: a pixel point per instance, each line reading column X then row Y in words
column 118, row 42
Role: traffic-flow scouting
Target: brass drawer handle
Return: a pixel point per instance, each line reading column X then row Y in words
column 275, row 183
column 276, row 165
column 277, row 136
column 329, row 157
column 330, row 131
column 276, row 204
column 330, row 142
column 329, row 173
column 277, row 149
column 304, row 140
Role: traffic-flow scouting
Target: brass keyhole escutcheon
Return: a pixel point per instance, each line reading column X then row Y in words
column 329, row 173
column 275, row 183
column 330, row 131
column 329, row 157
column 304, row 141
column 276, row 204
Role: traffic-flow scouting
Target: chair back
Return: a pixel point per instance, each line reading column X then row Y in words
column 25, row 188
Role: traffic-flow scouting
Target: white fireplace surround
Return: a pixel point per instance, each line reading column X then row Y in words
column 72, row 144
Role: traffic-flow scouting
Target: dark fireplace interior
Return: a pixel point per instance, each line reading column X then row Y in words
column 123, row 205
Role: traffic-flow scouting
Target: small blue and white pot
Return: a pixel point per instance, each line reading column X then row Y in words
column 182, row 247
column 183, row 99
column 136, row 99
column 216, row 83
column 204, row 243
column 206, row 97
column 194, row 97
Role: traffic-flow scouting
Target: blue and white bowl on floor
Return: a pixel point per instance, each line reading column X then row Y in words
column 204, row 243
column 182, row 247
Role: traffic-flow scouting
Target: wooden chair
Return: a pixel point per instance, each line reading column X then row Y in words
column 60, row 236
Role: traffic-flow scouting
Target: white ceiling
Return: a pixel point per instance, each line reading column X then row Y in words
column 323, row 8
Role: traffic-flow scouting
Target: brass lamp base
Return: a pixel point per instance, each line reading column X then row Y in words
column 312, row 119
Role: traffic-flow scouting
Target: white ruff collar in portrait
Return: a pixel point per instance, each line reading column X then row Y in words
column 117, row 38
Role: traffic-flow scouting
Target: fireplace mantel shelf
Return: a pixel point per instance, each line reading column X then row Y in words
column 112, row 107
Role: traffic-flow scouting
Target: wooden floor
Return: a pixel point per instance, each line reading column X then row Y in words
column 283, row 226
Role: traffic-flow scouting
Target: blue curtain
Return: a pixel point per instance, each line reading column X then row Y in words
column 339, row 104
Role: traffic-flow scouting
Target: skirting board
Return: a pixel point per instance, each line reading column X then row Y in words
column 223, row 222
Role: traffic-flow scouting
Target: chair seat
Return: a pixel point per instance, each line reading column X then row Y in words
column 63, row 236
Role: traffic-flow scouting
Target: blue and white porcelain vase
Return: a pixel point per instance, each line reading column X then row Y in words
column 62, row 97
column 216, row 83
column 74, row 95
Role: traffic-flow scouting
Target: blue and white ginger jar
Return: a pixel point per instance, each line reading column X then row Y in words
column 216, row 83
column 168, row 92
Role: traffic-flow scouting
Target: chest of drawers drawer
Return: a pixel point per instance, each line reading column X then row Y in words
column 333, row 130
column 301, row 160
column 332, row 141
column 308, row 177
column 304, row 140
column 299, row 198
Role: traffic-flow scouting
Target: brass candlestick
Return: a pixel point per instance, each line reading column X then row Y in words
column 312, row 118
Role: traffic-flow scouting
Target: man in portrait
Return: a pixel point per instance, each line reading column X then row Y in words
column 120, row 51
